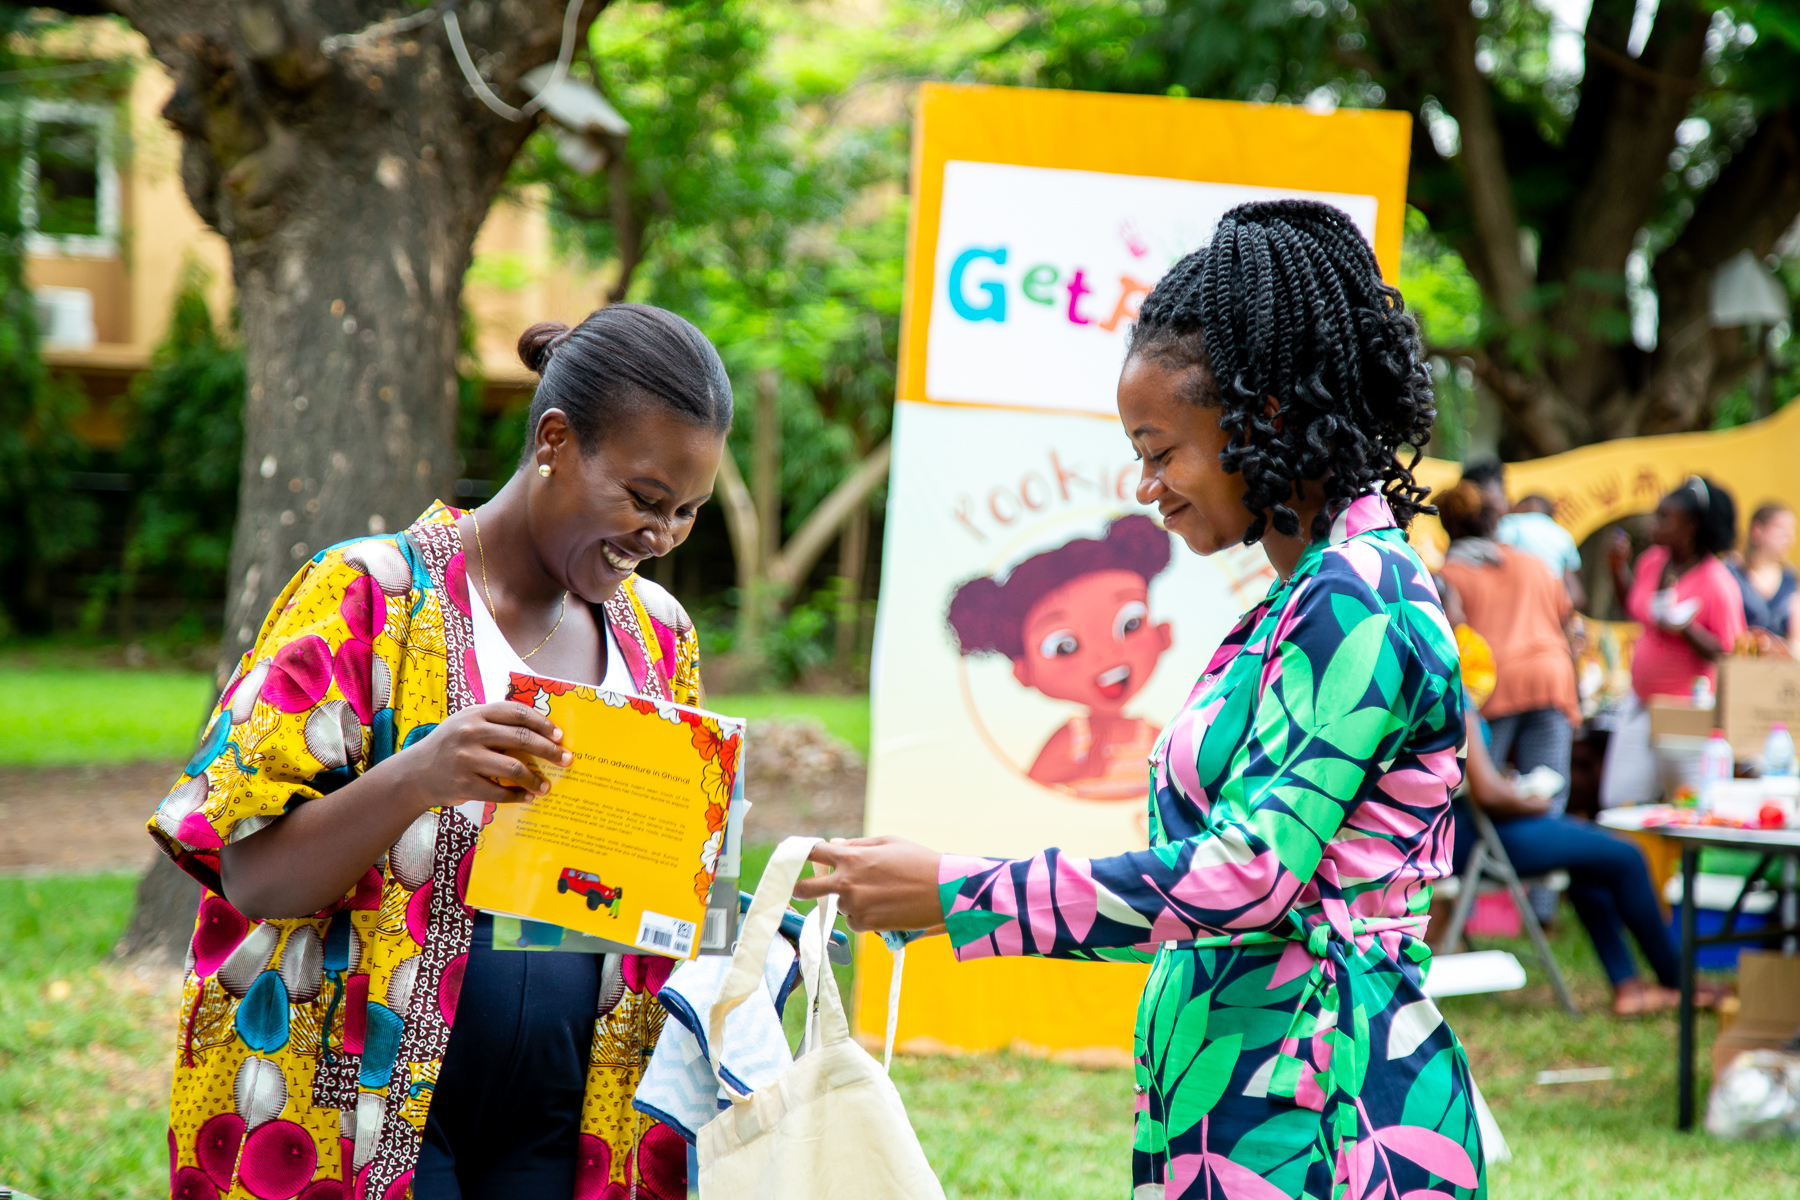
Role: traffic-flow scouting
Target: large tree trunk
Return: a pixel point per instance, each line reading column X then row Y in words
column 162, row 923
column 350, row 188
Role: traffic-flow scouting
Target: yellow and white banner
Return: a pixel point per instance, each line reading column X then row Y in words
column 1036, row 627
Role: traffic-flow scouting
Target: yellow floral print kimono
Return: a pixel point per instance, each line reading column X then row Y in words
column 308, row 1048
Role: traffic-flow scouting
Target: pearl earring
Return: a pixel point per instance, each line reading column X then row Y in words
column 544, row 470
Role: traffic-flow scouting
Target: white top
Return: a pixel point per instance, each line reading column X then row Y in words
column 497, row 660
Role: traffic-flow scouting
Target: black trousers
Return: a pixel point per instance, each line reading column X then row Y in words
column 506, row 1114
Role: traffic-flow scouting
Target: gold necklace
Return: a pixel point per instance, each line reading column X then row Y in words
column 488, row 594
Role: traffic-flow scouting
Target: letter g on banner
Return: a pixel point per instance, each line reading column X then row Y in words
column 995, row 308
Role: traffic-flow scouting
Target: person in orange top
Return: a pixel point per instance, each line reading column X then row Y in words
column 1513, row 601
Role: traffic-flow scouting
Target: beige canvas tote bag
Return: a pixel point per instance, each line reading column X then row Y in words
column 831, row 1127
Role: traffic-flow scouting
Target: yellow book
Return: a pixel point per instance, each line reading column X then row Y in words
column 625, row 843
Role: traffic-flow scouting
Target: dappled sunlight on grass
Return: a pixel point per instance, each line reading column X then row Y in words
column 1613, row 1139
column 84, row 1047
column 85, row 1050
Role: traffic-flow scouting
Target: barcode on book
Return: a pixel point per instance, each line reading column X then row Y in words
column 665, row 935
column 712, row 929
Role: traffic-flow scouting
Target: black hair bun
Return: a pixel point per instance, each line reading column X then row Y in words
column 535, row 344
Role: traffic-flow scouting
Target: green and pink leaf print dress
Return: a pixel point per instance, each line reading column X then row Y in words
column 1300, row 808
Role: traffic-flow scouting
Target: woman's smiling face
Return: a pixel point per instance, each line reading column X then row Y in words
column 606, row 508
column 1090, row 641
column 1179, row 443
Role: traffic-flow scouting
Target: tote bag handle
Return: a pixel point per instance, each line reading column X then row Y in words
column 759, row 927
column 825, row 1019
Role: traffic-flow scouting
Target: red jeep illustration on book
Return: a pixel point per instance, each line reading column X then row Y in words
column 588, row 884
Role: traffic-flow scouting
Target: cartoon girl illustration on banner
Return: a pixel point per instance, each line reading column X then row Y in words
column 1075, row 621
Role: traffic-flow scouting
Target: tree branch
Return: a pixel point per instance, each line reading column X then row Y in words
column 740, row 521
column 1483, row 161
column 796, row 559
column 1752, row 203
column 1634, row 70
column 1620, row 172
column 628, row 226
column 1530, row 400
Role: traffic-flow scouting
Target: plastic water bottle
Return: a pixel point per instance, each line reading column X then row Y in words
column 1778, row 751
column 1715, row 766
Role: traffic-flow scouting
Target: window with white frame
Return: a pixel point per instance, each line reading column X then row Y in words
column 69, row 186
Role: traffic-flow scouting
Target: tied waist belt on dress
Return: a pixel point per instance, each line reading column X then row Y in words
column 1337, row 964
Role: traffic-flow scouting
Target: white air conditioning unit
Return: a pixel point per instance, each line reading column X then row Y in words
column 65, row 318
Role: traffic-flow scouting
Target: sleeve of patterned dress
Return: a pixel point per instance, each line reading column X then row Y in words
column 1282, row 761
column 305, row 710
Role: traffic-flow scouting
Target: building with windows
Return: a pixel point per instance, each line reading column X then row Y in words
column 110, row 234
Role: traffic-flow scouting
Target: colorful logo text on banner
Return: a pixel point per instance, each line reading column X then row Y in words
column 1040, row 273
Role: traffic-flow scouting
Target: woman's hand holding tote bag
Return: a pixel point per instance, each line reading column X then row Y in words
column 832, row 1127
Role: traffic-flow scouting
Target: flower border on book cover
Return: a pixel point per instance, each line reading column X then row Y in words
column 718, row 750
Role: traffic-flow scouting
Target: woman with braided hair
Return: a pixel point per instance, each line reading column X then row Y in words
column 1299, row 804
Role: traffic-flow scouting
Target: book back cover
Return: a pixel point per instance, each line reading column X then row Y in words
column 625, row 843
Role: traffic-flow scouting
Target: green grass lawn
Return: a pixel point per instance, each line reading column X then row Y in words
column 84, row 1047
column 845, row 717
column 73, row 715
column 1600, row 1140
column 69, row 717
column 83, row 1050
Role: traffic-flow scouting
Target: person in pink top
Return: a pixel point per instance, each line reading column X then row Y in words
column 1684, row 596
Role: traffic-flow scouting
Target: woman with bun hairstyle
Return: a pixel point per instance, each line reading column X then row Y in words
column 347, row 1028
column 1692, row 612
column 1075, row 621
column 1299, row 805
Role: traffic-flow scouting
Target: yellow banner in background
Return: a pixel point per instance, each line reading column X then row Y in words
column 1357, row 153
column 1599, row 484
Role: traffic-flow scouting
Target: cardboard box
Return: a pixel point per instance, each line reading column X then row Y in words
column 1768, row 1007
column 1754, row 693
column 1674, row 716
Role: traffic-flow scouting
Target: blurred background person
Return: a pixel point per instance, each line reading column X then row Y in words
column 1489, row 475
column 1609, row 882
column 1769, row 585
column 1521, row 610
column 1692, row 612
column 1531, row 527
column 1513, row 601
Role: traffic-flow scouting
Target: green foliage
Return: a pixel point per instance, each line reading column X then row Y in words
column 1263, row 50
column 1438, row 288
column 1452, row 315
column 801, row 642
column 46, row 521
column 798, row 644
column 185, row 449
column 768, row 217
column 1389, row 53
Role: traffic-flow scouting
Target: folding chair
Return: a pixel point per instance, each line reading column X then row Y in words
column 1489, row 865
